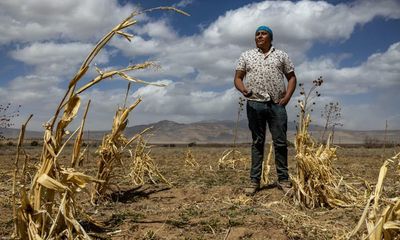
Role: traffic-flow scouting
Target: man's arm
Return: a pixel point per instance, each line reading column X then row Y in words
column 238, row 81
column 291, row 86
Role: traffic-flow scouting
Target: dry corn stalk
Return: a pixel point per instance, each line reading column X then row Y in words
column 142, row 165
column 266, row 167
column 190, row 160
column 241, row 200
column 110, row 151
column 48, row 209
column 383, row 222
column 317, row 183
column 232, row 158
column 19, row 150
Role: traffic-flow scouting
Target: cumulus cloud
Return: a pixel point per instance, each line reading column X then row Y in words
column 302, row 20
column 180, row 103
column 37, row 20
column 59, row 59
column 297, row 26
column 380, row 71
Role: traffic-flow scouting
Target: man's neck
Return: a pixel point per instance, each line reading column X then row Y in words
column 266, row 48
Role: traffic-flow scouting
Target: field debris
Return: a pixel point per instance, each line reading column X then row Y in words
column 143, row 165
column 381, row 216
column 232, row 158
column 311, row 228
column 241, row 200
column 190, row 160
column 111, row 150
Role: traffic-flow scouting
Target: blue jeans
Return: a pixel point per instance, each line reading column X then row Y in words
column 274, row 115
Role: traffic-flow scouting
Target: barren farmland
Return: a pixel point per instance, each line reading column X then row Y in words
column 205, row 202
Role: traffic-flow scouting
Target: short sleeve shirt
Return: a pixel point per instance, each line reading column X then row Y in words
column 265, row 73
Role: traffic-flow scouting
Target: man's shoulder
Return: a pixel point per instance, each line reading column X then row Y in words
column 280, row 52
column 249, row 52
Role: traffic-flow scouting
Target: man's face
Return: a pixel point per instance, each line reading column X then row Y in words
column 262, row 39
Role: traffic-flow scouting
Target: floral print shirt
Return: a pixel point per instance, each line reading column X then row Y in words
column 265, row 73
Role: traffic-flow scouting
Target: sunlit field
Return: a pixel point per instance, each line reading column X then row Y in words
column 205, row 202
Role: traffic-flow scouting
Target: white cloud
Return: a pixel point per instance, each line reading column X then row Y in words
column 137, row 47
column 211, row 55
column 36, row 20
column 32, row 85
column 369, row 116
column 183, row 3
column 60, row 59
column 380, row 71
column 160, row 30
column 177, row 102
column 296, row 25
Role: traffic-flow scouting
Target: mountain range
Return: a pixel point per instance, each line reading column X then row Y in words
column 222, row 132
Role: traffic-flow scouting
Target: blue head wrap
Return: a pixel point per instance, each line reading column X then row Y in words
column 265, row 28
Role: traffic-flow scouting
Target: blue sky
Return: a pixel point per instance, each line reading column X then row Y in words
column 354, row 45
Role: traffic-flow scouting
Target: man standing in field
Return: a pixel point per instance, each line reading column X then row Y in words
column 265, row 69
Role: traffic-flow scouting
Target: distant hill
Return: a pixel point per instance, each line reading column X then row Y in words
column 13, row 133
column 220, row 132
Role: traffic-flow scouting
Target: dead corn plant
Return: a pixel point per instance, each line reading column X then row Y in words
column 48, row 209
column 317, row 183
column 111, row 150
column 381, row 215
column 239, row 200
column 231, row 158
column 20, row 150
column 266, row 167
column 190, row 160
column 143, row 165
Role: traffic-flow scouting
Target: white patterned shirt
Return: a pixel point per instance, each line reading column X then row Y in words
column 265, row 73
